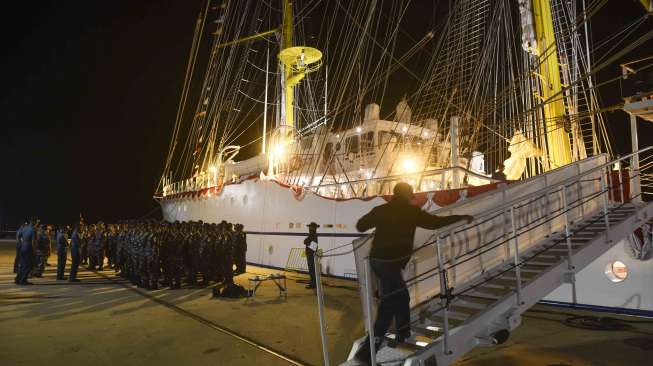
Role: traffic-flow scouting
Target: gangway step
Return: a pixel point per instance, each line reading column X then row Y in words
column 490, row 292
column 416, row 341
column 431, row 331
column 438, row 321
column 478, row 299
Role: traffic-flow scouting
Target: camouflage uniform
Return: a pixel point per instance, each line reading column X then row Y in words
column 118, row 254
column 42, row 244
column 240, row 249
column 141, row 257
column 227, row 254
column 154, row 262
column 192, row 256
column 176, row 257
column 84, row 245
column 134, row 243
column 206, row 256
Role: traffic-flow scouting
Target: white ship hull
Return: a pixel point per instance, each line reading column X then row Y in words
column 275, row 219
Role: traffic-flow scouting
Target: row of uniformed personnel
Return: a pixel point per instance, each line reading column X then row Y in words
column 151, row 253
column 148, row 253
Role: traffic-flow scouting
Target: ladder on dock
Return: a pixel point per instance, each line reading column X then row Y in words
column 471, row 283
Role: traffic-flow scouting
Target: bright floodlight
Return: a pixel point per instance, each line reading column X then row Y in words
column 279, row 150
column 409, row 165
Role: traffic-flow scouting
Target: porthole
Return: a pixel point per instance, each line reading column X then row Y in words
column 616, row 271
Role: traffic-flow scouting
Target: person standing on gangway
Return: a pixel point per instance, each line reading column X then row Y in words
column 392, row 247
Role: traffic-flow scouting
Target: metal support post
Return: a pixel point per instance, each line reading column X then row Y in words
column 570, row 253
column 320, row 309
column 621, row 185
column 368, row 302
column 548, row 205
column 635, row 187
column 453, row 132
column 443, row 299
column 516, row 254
column 580, row 192
column 605, row 191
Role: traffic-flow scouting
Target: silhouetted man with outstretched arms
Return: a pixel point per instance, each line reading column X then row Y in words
column 392, row 247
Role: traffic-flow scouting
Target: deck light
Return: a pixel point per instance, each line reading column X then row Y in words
column 409, row 165
column 279, row 150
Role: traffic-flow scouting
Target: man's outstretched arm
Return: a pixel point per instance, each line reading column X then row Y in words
column 434, row 222
column 367, row 222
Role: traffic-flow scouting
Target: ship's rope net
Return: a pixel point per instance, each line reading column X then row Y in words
column 466, row 62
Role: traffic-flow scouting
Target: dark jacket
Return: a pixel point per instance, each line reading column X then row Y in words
column 62, row 243
column 395, row 224
column 312, row 237
column 26, row 235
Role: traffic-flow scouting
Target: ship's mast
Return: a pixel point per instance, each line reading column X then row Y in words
column 557, row 139
column 296, row 62
column 287, row 112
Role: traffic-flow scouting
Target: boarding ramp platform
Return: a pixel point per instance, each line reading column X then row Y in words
column 470, row 283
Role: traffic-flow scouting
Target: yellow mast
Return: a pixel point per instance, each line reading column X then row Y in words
column 289, row 90
column 296, row 63
column 558, row 142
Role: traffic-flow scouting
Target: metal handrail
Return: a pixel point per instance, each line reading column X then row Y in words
column 566, row 182
column 441, row 269
column 518, row 262
column 444, row 232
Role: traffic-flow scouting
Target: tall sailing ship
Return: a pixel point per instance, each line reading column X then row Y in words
column 307, row 84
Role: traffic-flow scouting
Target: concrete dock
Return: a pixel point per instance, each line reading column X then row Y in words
column 104, row 320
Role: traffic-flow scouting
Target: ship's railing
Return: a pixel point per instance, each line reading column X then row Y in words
column 429, row 180
column 196, row 183
column 646, row 175
column 507, row 222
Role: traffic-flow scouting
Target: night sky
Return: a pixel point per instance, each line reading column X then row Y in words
column 88, row 102
column 89, row 95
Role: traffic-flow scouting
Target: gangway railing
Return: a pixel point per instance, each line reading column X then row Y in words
column 499, row 250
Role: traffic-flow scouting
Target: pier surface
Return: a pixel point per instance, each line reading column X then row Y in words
column 104, row 320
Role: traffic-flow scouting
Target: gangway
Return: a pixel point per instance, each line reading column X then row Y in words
column 470, row 283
